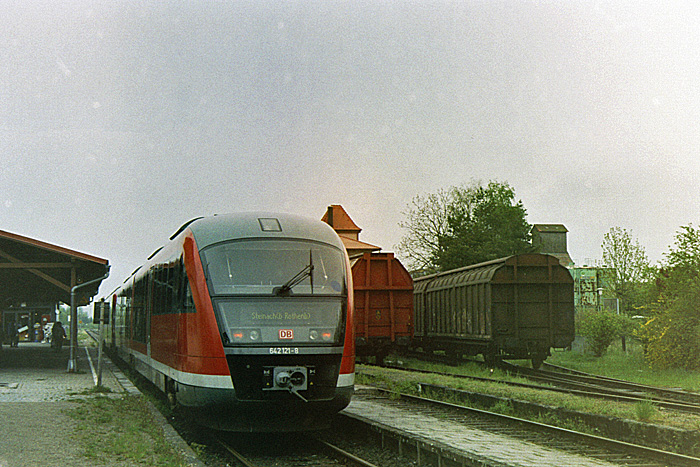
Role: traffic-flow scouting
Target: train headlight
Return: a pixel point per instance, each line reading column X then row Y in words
column 243, row 335
column 325, row 335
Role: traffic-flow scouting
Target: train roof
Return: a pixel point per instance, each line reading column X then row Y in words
column 223, row 227
column 525, row 259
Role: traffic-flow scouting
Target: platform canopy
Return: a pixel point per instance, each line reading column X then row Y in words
column 34, row 271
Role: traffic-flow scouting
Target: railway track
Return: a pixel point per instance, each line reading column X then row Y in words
column 664, row 393
column 574, row 448
column 610, row 388
column 298, row 452
column 584, row 385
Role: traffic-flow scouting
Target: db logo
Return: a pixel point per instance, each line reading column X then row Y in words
column 286, row 334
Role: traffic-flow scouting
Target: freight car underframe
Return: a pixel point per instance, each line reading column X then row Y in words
column 380, row 347
column 492, row 350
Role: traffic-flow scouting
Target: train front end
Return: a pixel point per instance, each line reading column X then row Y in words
column 281, row 293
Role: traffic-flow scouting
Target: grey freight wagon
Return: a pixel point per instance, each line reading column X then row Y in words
column 517, row 307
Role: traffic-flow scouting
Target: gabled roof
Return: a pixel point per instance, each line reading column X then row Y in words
column 337, row 218
column 35, row 271
column 347, row 230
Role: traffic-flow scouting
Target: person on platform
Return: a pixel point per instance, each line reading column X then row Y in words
column 14, row 335
column 58, row 334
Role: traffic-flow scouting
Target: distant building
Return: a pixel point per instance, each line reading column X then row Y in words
column 551, row 239
column 347, row 230
column 592, row 289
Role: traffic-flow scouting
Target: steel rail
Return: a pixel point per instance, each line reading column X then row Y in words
column 671, row 393
column 239, row 457
column 337, row 452
column 346, row 455
column 684, row 399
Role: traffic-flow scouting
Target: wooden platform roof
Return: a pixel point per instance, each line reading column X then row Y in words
column 33, row 271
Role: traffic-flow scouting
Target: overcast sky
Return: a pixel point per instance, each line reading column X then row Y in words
column 119, row 121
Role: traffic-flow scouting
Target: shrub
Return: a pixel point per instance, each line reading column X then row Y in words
column 672, row 339
column 601, row 328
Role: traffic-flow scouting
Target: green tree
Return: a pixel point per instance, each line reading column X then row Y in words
column 672, row 337
column 627, row 267
column 465, row 225
column 684, row 263
column 486, row 224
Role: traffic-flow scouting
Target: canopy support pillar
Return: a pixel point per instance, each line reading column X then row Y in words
column 73, row 361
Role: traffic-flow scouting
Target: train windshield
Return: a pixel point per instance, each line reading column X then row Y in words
column 277, row 292
column 274, row 267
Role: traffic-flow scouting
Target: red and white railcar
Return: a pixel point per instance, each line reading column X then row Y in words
column 246, row 320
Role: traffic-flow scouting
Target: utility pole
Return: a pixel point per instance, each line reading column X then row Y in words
column 100, row 343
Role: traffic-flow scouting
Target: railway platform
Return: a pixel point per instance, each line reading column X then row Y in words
column 478, row 446
column 36, row 392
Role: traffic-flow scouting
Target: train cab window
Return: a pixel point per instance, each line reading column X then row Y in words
column 272, row 292
column 263, row 266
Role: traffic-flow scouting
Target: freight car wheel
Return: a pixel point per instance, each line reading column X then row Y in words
column 491, row 359
column 380, row 356
column 537, row 360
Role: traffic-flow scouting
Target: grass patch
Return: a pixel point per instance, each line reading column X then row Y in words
column 645, row 411
column 390, row 379
column 504, row 408
column 84, row 340
column 122, row 430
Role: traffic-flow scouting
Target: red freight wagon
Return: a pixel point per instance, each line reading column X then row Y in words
column 383, row 304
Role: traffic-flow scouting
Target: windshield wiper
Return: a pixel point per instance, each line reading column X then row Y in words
column 286, row 289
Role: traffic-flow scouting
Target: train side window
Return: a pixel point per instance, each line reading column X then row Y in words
column 179, row 279
column 139, row 309
column 173, row 285
column 155, row 302
column 168, row 287
column 189, row 301
column 126, row 321
column 182, row 300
